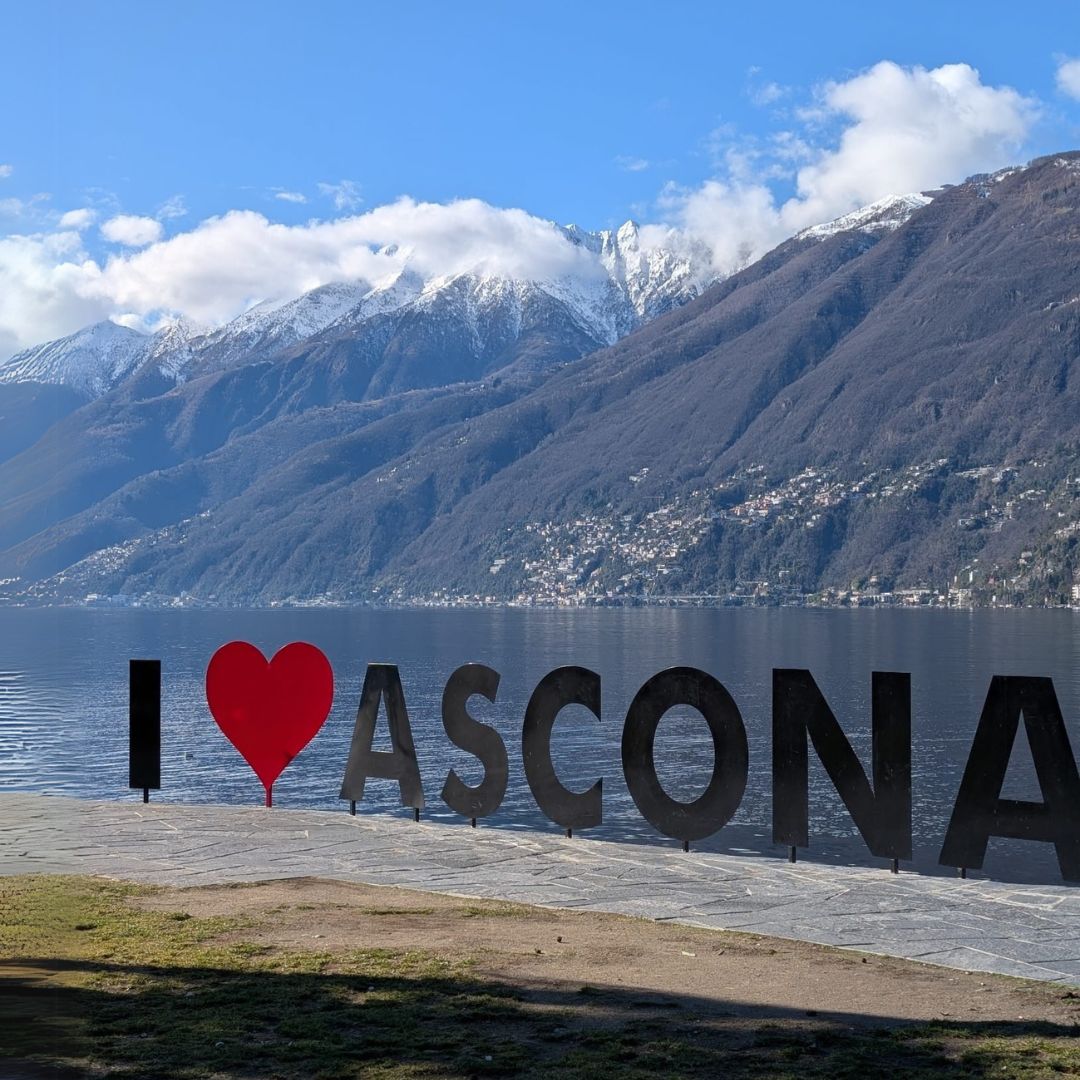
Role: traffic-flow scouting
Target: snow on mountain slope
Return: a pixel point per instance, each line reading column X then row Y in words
column 174, row 347
column 388, row 294
column 630, row 285
column 885, row 215
column 650, row 278
column 90, row 361
column 271, row 326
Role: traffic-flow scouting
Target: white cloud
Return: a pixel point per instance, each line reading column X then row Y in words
column 632, row 164
column 6, row 171
column 345, row 194
column 290, row 196
column 226, row 263
column 1068, row 77
column 912, row 129
column 767, row 94
column 51, row 286
column 736, row 221
column 29, row 213
column 132, row 231
column 172, row 208
column 77, row 219
column 41, row 282
column 901, row 129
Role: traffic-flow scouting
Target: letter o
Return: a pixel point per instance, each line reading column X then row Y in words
column 715, row 807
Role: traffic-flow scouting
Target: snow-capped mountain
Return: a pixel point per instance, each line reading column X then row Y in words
column 651, row 279
column 471, row 319
column 630, row 284
column 90, row 361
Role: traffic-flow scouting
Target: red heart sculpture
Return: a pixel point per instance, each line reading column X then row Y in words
column 269, row 711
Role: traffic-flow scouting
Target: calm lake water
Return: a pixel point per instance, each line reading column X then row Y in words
column 63, row 704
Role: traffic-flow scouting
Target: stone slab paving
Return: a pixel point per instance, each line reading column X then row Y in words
column 975, row 925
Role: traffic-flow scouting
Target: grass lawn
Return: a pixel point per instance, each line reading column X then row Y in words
column 99, row 978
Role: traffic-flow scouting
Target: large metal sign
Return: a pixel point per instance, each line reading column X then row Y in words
column 271, row 710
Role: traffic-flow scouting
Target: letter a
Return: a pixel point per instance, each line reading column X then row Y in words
column 980, row 812
column 382, row 683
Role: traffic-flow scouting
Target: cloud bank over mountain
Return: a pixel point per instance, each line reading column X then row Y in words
column 902, row 130
column 887, row 130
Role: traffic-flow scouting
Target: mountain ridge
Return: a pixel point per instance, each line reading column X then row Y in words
column 628, row 285
column 864, row 413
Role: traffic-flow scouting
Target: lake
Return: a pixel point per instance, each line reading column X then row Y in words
column 63, row 705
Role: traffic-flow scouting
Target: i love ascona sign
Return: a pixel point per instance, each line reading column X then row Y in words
column 270, row 710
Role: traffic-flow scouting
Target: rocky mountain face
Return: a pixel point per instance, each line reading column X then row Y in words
column 887, row 404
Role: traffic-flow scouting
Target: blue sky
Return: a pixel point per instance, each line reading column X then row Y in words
column 520, row 105
column 170, row 114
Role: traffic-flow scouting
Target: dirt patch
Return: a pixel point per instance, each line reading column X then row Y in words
column 667, row 965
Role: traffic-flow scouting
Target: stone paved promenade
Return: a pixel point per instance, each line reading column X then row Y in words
column 1032, row 931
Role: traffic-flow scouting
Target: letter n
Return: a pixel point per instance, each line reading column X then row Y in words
column 980, row 812
column 882, row 813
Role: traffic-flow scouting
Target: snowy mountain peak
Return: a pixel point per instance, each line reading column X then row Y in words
column 629, row 235
column 299, row 317
column 90, row 361
column 632, row 275
column 172, row 348
column 627, row 283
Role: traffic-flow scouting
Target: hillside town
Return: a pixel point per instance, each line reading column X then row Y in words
column 629, row 558
column 647, row 556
